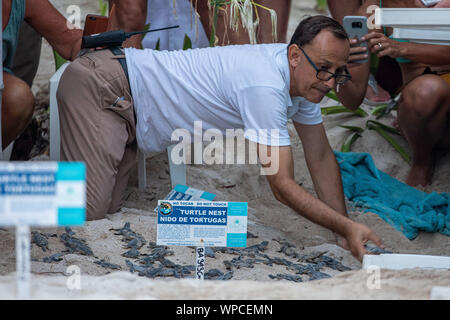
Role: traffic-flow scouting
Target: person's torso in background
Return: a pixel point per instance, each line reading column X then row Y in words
column 10, row 35
column 162, row 13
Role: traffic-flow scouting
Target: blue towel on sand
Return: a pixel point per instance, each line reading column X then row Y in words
column 407, row 209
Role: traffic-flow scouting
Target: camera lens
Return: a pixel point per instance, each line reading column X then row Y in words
column 357, row 25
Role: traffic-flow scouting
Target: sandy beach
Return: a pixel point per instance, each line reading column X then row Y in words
column 281, row 243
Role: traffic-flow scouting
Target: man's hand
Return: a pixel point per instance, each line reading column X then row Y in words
column 356, row 237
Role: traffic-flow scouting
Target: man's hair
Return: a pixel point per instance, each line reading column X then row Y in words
column 310, row 27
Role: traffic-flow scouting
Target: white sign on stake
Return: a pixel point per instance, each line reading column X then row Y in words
column 202, row 224
column 39, row 194
column 23, row 261
column 200, row 263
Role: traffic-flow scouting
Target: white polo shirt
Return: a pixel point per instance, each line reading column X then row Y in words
column 230, row 87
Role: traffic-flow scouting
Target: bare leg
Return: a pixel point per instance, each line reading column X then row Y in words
column 227, row 36
column 339, row 11
column 423, row 117
column 17, row 108
column 282, row 8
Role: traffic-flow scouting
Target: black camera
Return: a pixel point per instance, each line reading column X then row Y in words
column 357, row 24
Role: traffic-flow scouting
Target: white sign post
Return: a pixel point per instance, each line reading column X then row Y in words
column 43, row 194
column 200, row 263
column 23, row 261
column 202, row 224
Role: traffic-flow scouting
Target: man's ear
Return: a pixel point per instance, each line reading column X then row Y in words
column 294, row 55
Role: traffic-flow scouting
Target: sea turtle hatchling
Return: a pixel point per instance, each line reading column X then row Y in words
column 40, row 240
column 75, row 245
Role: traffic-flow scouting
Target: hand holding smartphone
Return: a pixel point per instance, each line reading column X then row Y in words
column 95, row 24
column 356, row 27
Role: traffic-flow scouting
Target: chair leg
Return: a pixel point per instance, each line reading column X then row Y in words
column 142, row 172
column 6, row 154
column 55, row 139
column 177, row 171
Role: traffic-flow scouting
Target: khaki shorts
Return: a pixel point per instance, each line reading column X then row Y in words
column 98, row 127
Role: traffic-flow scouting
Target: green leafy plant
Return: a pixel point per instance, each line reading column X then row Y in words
column 346, row 146
column 321, row 5
column 357, row 131
column 103, row 7
column 341, row 109
column 59, row 61
column 383, row 130
column 187, row 43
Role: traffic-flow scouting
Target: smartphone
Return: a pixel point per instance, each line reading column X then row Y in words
column 356, row 27
column 428, row 3
column 95, row 24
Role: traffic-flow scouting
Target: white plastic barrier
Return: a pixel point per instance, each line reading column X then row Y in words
column 406, row 261
column 421, row 25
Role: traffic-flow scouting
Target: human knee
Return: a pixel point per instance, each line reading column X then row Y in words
column 18, row 101
column 425, row 97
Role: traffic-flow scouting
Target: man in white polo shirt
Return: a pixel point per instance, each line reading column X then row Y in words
column 253, row 87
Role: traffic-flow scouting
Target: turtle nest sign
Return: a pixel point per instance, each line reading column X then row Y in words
column 202, row 223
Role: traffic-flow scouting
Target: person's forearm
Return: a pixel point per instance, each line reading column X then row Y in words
column 327, row 180
column 313, row 209
column 75, row 50
column 351, row 95
column 72, row 46
column 430, row 54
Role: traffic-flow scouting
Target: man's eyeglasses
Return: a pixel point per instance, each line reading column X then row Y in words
column 324, row 75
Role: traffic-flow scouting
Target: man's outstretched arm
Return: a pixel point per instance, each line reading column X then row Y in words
column 328, row 212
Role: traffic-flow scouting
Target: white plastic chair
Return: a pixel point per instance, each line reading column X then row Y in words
column 177, row 171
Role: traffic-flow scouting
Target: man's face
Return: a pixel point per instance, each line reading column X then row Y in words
column 328, row 53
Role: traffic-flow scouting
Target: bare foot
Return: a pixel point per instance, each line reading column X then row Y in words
column 396, row 125
column 375, row 94
column 420, row 175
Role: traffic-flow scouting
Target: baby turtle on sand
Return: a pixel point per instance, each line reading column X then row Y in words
column 324, row 261
column 75, row 245
column 134, row 240
column 132, row 253
column 287, row 248
column 40, row 240
column 376, row 250
column 54, row 258
column 107, row 265
column 216, row 274
column 281, row 276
